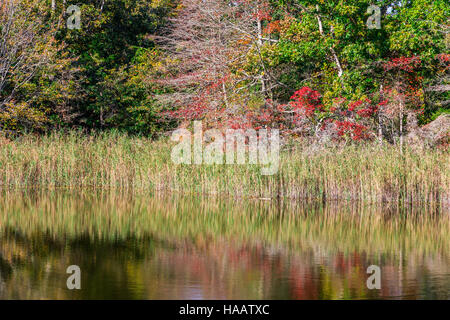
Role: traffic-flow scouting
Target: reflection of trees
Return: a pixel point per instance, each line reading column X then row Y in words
column 215, row 269
column 216, row 249
column 5, row 273
column 38, row 265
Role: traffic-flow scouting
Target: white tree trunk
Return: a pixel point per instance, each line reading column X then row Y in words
column 260, row 43
column 401, row 127
column 333, row 52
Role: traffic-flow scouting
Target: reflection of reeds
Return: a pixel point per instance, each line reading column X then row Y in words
column 113, row 160
column 334, row 226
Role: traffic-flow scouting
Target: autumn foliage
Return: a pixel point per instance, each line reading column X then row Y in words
column 312, row 70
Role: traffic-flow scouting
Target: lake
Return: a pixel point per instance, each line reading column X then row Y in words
column 151, row 246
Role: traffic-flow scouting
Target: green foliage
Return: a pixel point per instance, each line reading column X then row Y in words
column 97, row 76
column 114, row 46
column 408, row 28
column 36, row 75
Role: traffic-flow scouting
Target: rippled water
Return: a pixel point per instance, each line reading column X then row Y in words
column 131, row 246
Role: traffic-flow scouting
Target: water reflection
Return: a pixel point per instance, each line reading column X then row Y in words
column 132, row 246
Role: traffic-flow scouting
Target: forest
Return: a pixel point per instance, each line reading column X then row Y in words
column 309, row 68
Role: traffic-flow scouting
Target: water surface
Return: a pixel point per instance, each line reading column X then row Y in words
column 131, row 246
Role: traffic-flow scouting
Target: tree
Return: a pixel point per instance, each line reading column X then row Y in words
column 210, row 44
column 52, row 76
column 26, row 45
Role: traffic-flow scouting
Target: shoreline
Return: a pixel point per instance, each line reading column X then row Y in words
column 369, row 173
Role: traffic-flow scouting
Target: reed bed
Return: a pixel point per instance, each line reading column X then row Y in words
column 369, row 172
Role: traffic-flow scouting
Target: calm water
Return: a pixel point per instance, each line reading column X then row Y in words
column 154, row 247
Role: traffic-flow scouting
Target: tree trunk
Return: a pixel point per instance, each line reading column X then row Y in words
column 380, row 128
column 225, row 96
column 333, row 52
column 401, row 127
column 380, row 125
column 260, row 42
column 411, row 122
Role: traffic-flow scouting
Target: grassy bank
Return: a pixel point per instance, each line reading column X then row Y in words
column 369, row 172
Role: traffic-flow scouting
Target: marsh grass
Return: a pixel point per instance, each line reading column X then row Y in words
column 112, row 160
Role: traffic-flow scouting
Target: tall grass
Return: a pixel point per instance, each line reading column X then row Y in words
column 112, row 160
